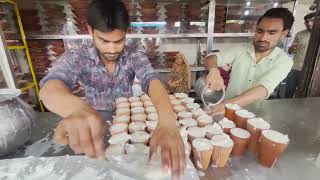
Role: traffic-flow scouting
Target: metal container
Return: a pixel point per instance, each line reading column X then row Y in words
column 15, row 124
column 208, row 96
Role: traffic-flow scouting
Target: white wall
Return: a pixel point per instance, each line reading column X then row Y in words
column 301, row 11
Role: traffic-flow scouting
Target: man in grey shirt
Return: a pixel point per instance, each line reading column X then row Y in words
column 299, row 48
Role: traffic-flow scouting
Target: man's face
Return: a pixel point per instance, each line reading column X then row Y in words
column 309, row 23
column 268, row 33
column 110, row 45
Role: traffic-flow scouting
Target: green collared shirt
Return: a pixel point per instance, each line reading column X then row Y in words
column 246, row 73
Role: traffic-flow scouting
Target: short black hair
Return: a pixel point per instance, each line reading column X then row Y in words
column 309, row 16
column 108, row 15
column 281, row 13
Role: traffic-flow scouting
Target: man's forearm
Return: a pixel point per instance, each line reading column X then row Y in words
column 160, row 99
column 252, row 95
column 58, row 98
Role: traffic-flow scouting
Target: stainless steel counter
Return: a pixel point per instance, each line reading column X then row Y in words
column 299, row 118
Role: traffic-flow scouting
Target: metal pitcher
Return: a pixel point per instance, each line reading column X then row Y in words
column 209, row 97
column 15, row 123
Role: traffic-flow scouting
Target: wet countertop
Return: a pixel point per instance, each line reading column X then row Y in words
column 299, row 118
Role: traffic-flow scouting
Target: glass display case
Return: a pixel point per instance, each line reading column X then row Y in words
column 157, row 26
column 242, row 17
column 161, row 28
column 68, row 17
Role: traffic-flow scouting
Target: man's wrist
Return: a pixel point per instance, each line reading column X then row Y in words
column 215, row 71
column 167, row 119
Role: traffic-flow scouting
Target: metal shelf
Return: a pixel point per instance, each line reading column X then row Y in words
column 167, row 69
column 27, row 87
column 217, row 35
column 16, row 47
column 191, row 35
column 193, row 69
column 59, row 37
column 187, row 35
column 129, row 36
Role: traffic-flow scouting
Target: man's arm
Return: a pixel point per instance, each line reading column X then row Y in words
column 166, row 136
column 250, row 96
column 294, row 46
column 81, row 128
column 263, row 87
column 57, row 97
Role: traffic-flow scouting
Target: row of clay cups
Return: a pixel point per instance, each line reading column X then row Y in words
column 215, row 151
column 245, row 120
column 135, row 110
column 214, row 132
column 219, row 148
column 142, row 98
column 186, row 104
column 133, row 126
column 135, row 118
column 186, row 119
column 237, row 146
column 267, row 148
column 245, row 141
column 238, row 115
column 180, row 99
column 138, row 137
column 239, row 136
column 120, row 149
column 126, row 104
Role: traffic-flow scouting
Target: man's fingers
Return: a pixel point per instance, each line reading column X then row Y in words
column 175, row 162
column 60, row 134
column 152, row 151
column 86, row 142
column 97, row 134
column 74, row 140
column 165, row 159
column 182, row 158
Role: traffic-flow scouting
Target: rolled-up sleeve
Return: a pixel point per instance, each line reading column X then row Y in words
column 65, row 69
column 143, row 70
column 272, row 78
column 226, row 57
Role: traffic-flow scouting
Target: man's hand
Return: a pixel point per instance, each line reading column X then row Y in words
column 83, row 131
column 214, row 80
column 166, row 135
column 172, row 149
column 217, row 109
column 293, row 49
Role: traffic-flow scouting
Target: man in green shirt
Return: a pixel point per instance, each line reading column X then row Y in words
column 256, row 69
